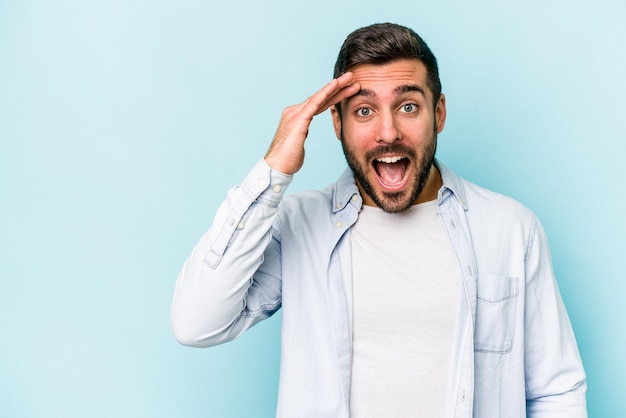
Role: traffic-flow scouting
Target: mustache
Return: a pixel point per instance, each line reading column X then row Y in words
column 396, row 148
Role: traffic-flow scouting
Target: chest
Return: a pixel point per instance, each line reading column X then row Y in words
column 405, row 275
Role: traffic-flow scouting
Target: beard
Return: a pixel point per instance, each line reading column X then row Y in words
column 422, row 163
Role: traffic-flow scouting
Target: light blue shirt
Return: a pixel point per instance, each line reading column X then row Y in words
column 514, row 352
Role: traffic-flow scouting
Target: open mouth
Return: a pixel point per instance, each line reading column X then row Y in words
column 391, row 171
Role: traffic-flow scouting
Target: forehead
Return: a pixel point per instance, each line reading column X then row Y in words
column 391, row 75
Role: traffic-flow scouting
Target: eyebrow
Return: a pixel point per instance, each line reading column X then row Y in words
column 410, row 87
column 405, row 88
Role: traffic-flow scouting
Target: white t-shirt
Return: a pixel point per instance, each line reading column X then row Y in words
column 405, row 280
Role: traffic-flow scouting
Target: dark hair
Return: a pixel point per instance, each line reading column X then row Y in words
column 382, row 43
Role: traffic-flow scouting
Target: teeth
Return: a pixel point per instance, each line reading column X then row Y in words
column 389, row 160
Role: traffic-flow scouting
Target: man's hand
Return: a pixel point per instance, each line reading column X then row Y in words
column 286, row 153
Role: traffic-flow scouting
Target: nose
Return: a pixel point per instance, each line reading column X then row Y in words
column 388, row 131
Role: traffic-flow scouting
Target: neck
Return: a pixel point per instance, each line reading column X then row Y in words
column 431, row 188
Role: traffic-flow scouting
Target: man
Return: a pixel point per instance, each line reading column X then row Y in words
column 406, row 290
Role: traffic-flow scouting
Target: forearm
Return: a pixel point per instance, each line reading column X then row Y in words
column 216, row 281
column 232, row 278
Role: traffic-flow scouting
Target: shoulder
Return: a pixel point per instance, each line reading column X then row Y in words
column 499, row 226
column 483, row 205
column 323, row 201
column 309, row 200
column 482, row 199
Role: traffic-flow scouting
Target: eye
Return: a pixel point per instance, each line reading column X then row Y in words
column 409, row 108
column 364, row 111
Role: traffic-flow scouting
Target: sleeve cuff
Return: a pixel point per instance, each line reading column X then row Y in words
column 265, row 184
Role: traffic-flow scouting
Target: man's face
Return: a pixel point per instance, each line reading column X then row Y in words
column 389, row 133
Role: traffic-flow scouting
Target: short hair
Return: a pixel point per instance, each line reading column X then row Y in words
column 382, row 43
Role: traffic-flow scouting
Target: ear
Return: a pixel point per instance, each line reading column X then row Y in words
column 336, row 120
column 440, row 113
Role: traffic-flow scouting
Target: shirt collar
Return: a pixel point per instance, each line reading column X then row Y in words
column 452, row 185
column 346, row 191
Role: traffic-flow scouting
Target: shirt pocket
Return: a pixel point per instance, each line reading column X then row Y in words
column 496, row 302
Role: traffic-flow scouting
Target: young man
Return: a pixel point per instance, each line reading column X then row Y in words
column 406, row 290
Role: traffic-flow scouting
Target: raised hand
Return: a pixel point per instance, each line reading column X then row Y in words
column 286, row 153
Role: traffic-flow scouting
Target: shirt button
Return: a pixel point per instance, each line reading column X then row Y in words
column 339, row 224
column 260, row 182
column 240, row 225
column 277, row 188
column 338, row 205
column 355, row 198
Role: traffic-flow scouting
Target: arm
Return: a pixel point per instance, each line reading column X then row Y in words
column 218, row 294
column 232, row 278
column 555, row 379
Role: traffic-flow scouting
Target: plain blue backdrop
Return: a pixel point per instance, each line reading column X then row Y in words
column 123, row 123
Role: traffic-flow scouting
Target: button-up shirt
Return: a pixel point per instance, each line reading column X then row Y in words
column 514, row 352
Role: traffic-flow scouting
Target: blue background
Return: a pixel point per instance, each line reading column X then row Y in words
column 123, row 123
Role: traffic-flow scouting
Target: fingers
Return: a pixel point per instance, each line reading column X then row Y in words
column 335, row 91
column 346, row 92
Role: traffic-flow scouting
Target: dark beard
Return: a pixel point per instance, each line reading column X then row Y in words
column 394, row 202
